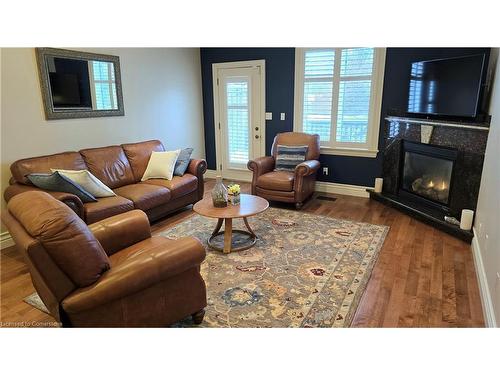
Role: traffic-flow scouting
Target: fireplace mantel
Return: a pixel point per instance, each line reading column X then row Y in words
column 417, row 121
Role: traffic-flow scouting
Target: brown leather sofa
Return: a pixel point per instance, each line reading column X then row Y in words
column 293, row 187
column 121, row 169
column 109, row 274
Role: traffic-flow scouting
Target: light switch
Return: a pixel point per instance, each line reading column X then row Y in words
column 282, row 116
column 269, row 115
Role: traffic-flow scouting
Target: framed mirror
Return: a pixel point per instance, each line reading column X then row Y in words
column 79, row 84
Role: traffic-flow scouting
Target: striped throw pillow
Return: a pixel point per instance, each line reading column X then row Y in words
column 288, row 157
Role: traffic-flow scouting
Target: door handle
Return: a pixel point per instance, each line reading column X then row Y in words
column 256, row 137
column 256, row 128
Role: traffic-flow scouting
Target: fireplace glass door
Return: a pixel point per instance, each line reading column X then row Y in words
column 427, row 176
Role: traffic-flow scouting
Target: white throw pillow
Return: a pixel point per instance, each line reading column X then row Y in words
column 161, row 165
column 87, row 181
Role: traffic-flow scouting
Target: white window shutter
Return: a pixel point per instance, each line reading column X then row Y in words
column 337, row 95
column 237, row 121
column 318, row 92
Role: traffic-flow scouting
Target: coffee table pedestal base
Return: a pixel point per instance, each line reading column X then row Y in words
column 228, row 236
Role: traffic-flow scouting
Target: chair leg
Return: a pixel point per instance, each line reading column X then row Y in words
column 198, row 316
column 299, row 205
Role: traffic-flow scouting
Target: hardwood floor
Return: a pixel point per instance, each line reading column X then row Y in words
column 423, row 277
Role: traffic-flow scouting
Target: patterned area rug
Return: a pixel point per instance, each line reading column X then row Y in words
column 35, row 301
column 304, row 271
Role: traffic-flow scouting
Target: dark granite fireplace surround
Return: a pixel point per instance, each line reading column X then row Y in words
column 468, row 144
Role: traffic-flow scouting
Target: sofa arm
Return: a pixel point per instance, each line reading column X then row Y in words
column 71, row 200
column 307, row 168
column 198, row 167
column 137, row 273
column 120, row 231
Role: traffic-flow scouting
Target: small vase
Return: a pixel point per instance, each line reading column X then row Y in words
column 219, row 193
column 235, row 199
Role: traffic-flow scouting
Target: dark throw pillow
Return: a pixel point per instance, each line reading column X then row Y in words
column 57, row 182
column 182, row 162
column 288, row 157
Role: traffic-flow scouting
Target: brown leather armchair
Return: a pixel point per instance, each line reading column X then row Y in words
column 109, row 274
column 294, row 187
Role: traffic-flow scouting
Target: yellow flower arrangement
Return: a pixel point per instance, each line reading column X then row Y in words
column 234, row 189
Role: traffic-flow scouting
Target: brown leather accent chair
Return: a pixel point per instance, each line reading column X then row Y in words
column 293, row 187
column 109, row 274
column 121, row 169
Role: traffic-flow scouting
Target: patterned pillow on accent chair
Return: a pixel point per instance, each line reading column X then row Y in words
column 288, row 157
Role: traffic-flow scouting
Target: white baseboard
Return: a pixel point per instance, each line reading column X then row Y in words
column 323, row 187
column 6, row 240
column 235, row 175
column 210, row 173
column 343, row 189
column 484, row 291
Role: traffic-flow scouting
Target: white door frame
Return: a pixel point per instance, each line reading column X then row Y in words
column 238, row 175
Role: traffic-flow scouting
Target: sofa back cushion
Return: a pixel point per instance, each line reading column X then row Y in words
column 138, row 155
column 42, row 164
column 298, row 139
column 110, row 165
column 65, row 237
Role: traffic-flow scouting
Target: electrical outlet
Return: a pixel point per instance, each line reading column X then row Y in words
column 282, row 116
column 325, row 171
column 269, row 115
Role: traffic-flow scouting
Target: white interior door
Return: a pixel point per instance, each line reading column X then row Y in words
column 239, row 116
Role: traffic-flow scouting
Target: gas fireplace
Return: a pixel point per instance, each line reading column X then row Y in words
column 432, row 169
column 427, row 173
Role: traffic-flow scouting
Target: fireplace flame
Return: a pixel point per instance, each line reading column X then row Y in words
column 431, row 184
column 443, row 186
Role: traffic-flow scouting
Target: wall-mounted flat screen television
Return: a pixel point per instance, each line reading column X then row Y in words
column 446, row 87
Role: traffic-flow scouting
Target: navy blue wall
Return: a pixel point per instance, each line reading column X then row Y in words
column 280, row 63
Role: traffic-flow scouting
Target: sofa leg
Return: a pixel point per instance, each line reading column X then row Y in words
column 299, row 205
column 198, row 316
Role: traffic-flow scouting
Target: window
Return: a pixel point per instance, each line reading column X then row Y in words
column 102, row 75
column 237, row 121
column 338, row 96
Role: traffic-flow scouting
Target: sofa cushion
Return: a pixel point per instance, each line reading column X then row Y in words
column 138, row 155
column 277, row 180
column 106, row 207
column 65, row 237
column 161, row 165
column 135, row 250
column 87, row 181
column 182, row 163
column 58, row 182
column 178, row 186
column 109, row 164
column 42, row 164
column 145, row 196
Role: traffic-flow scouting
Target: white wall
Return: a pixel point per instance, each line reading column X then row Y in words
column 486, row 245
column 162, row 100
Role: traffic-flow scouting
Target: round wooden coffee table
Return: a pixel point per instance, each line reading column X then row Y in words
column 249, row 205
